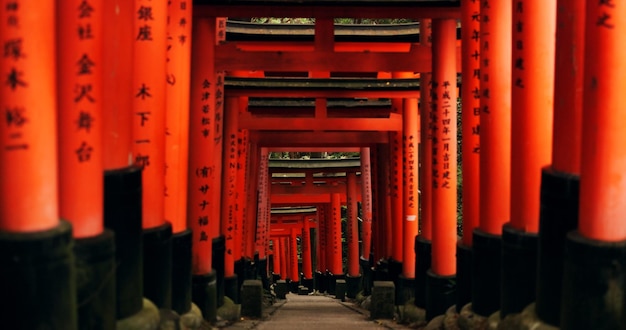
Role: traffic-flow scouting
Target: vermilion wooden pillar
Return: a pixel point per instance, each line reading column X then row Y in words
column 263, row 213
column 366, row 204
column 335, row 264
column 470, row 114
column 352, row 234
column 353, row 277
column 250, row 222
column 284, row 265
column 307, row 266
column 495, row 153
column 277, row 257
column 122, row 179
column 423, row 242
column 149, row 145
column 229, row 195
column 293, row 259
column 28, row 167
column 177, row 149
column 201, row 165
column 439, row 295
column 322, row 247
column 560, row 182
column 410, row 185
column 595, row 254
column 81, row 184
column 531, row 143
column 80, row 138
column 397, row 195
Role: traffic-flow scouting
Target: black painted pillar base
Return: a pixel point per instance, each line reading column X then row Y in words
column 262, row 273
column 122, row 215
column 181, row 272
column 332, row 282
column 275, row 277
column 423, row 249
column 368, row 280
column 95, row 266
column 519, row 270
column 204, row 294
column 381, row 272
column 217, row 253
column 38, row 279
column 353, row 285
column 395, row 269
column 559, row 215
column 440, row 294
column 463, row 275
column 321, row 285
column 293, row 286
column 157, row 265
column 594, row 284
column 405, row 290
column 231, row 288
column 243, row 269
column 307, row 283
column 486, row 273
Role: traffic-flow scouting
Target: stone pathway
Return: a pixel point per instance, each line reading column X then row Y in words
column 316, row 312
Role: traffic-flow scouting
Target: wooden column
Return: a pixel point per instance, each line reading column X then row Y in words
column 79, row 63
column 335, row 264
column 229, row 183
column 352, row 234
column 426, row 134
column 263, row 199
column 276, row 252
column 495, row 153
column 560, row 182
column 307, row 265
column 410, row 185
column 366, row 204
column 293, row 256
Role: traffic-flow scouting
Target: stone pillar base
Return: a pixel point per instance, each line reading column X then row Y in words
column 252, row 299
column 148, row 318
column 204, row 294
column 383, row 300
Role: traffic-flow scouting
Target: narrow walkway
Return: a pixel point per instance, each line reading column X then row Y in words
column 320, row 312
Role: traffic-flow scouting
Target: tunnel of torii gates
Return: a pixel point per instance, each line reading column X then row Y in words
column 186, row 209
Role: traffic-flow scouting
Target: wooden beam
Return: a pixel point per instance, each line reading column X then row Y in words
column 248, row 121
column 315, row 149
column 280, row 9
column 303, row 199
column 318, row 139
column 228, row 58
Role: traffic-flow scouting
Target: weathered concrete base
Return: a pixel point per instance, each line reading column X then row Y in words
column 340, row 290
column 411, row 315
column 468, row 320
column 229, row 312
column 383, row 300
column 190, row 320
column 148, row 318
column 526, row 320
column 353, row 285
column 281, row 289
column 252, row 299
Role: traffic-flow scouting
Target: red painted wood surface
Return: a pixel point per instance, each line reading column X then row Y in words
column 602, row 183
column 532, row 98
column 352, row 228
column 444, row 95
column 118, row 92
column 307, row 266
column 79, row 63
column 366, row 204
column 177, row 119
column 410, row 185
column 335, row 264
column 426, row 172
column 470, row 101
column 28, row 94
column 149, row 70
column 229, row 184
column 495, row 116
column 568, row 86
